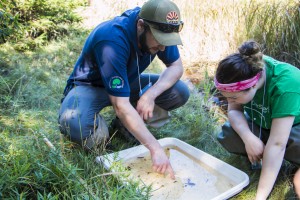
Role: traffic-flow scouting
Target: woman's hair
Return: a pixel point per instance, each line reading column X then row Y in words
column 241, row 66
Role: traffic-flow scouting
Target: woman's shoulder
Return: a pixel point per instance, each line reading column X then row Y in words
column 276, row 64
column 282, row 77
column 281, row 70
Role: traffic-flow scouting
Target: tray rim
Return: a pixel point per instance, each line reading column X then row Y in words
column 170, row 142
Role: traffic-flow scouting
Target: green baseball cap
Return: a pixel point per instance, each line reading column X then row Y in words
column 164, row 20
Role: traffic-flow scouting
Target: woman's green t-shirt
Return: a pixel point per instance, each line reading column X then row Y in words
column 279, row 97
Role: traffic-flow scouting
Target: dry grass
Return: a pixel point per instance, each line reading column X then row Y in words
column 214, row 29
column 209, row 32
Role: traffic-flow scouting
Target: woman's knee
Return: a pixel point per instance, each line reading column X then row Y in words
column 297, row 182
column 230, row 140
column 292, row 152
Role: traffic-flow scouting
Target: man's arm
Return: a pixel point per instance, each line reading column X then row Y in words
column 133, row 122
column 167, row 79
column 273, row 155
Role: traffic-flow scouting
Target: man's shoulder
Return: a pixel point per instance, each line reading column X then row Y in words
column 109, row 30
column 119, row 30
column 131, row 12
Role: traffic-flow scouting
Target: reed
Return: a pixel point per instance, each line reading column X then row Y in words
column 275, row 24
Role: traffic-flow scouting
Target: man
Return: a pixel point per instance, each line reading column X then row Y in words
column 108, row 72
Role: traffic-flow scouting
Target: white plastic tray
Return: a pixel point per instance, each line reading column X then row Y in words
column 198, row 174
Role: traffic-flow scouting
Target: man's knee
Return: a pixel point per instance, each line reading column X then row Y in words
column 78, row 115
column 87, row 134
column 174, row 97
column 71, row 126
column 182, row 92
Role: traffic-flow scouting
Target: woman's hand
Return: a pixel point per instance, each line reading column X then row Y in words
column 254, row 148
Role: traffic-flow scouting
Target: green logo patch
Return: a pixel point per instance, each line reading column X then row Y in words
column 116, row 82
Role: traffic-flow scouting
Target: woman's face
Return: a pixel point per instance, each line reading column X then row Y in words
column 241, row 97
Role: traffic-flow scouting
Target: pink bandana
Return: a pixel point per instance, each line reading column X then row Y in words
column 238, row 86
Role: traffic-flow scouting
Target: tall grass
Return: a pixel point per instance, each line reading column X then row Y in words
column 275, row 24
column 31, row 89
column 210, row 29
column 31, row 84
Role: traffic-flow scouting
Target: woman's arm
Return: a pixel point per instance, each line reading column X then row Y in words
column 253, row 145
column 273, row 155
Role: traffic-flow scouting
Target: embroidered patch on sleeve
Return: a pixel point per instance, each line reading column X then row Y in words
column 116, row 82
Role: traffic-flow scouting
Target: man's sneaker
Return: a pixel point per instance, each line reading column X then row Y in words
column 116, row 127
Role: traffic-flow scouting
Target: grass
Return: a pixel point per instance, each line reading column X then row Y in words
column 31, row 85
column 275, row 25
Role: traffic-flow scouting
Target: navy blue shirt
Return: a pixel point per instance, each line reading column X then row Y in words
column 109, row 56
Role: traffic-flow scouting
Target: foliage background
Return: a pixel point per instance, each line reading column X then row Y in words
column 40, row 41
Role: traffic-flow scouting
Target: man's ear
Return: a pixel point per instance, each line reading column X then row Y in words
column 140, row 26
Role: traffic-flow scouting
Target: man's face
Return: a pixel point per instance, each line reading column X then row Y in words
column 149, row 44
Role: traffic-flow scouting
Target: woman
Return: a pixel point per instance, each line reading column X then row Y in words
column 263, row 97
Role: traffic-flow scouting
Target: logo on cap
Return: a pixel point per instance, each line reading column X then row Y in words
column 172, row 17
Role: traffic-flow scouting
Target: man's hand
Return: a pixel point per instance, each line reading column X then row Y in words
column 145, row 107
column 161, row 163
column 136, row 126
column 167, row 79
column 254, row 148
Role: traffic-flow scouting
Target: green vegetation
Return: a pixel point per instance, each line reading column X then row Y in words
column 30, row 24
column 276, row 25
column 40, row 42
